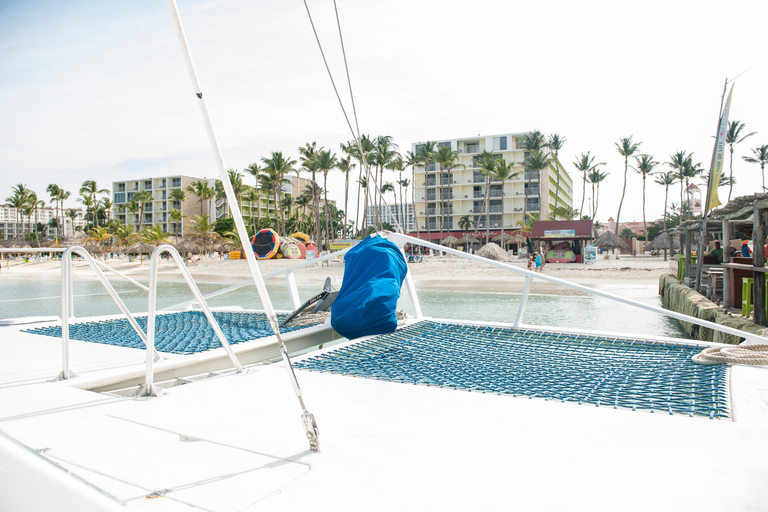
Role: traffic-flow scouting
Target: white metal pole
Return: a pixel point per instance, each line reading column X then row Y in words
column 307, row 418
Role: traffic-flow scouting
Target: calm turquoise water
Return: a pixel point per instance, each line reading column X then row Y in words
column 40, row 298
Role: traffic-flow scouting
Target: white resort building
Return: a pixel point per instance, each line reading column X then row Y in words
column 15, row 224
column 393, row 214
column 443, row 197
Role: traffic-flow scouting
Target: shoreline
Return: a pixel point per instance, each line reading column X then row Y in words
column 433, row 273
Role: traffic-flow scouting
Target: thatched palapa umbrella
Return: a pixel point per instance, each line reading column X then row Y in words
column 664, row 242
column 77, row 239
column 449, row 240
column 140, row 248
column 467, row 240
column 187, row 246
column 609, row 240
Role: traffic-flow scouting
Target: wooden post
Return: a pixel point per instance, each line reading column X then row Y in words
column 758, row 260
column 687, row 249
column 726, row 259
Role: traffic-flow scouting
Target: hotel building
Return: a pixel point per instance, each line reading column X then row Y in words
column 402, row 214
column 157, row 211
column 443, row 197
column 15, row 224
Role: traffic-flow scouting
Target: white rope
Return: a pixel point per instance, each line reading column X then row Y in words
column 755, row 355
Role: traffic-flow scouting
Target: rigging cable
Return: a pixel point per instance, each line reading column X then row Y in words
column 355, row 137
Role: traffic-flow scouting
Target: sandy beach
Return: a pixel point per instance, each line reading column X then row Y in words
column 433, row 273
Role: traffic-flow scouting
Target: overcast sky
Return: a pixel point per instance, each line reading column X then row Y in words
column 98, row 90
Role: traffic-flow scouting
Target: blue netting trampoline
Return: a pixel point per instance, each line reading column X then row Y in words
column 616, row 372
column 187, row 332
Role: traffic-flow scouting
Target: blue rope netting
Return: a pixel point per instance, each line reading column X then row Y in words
column 187, row 332
column 616, row 372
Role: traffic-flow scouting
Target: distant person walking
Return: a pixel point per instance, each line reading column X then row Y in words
column 539, row 262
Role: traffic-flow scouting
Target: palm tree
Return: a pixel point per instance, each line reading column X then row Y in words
column 425, row 152
column 626, row 149
column 324, row 162
column 677, row 163
column 527, row 224
column 105, row 205
column 446, row 158
column 384, row 152
column 504, row 171
column 585, row 164
column 72, row 214
column 466, row 223
column 253, row 195
column 63, row 196
column 101, row 236
column 177, row 195
column 203, row 191
column 18, row 200
column 141, row 198
column 733, row 136
column 412, row 160
column 645, row 165
column 535, row 162
column 564, row 212
column 308, row 154
column 487, row 164
column 90, row 191
column 277, row 167
column 346, row 166
column 555, row 143
column 54, row 191
column 29, row 210
column 595, row 177
column 666, row 179
column 688, row 172
column 176, row 216
column 397, row 164
column 404, row 184
column 154, row 235
column 201, row 228
column 760, row 157
column 236, row 180
column 366, row 145
column 388, row 187
column 125, row 235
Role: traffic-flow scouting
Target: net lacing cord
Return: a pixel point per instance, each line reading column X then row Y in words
column 355, row 135
column 753, row 355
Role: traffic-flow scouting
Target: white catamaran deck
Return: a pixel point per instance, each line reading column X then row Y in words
column 235, row 442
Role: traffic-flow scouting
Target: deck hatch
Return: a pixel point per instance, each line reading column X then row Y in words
column 617, row 372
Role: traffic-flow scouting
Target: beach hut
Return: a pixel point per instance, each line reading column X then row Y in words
column 449, row 241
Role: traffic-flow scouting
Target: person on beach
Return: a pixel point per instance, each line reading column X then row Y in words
column 530, row 261
column 539, row 262
column 745, row 251
column 717, row 252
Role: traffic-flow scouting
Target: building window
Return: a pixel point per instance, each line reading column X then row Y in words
column 473, row 147
column 148, row 185
column 148, row 218
column 532, row 204
column 175, row 182
column 444, row 145
column 121, row 187
column 120, row 197
column 499, row 143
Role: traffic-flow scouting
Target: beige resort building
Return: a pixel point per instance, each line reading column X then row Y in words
column 444, row 197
